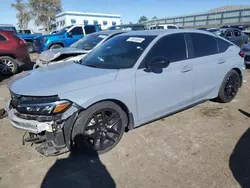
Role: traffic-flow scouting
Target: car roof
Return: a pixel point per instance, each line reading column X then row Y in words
column 110, row 32
column 163, row 32
column 125, row 25
column 229, row 29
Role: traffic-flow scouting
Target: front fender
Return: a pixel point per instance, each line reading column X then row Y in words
column 123, row 91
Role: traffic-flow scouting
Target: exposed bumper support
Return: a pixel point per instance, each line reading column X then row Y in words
column 54, row 136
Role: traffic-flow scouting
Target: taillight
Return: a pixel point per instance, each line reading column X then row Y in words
column 22, row 42
column 242, row 54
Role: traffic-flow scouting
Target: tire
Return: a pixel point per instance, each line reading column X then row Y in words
column 84, row 130
column 55, row 46
column 231, row 83
column 8, row 66
column 30, row 47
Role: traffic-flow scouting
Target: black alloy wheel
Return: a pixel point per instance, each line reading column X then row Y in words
column 103, row 129
column 99, row 128
column 231, row 86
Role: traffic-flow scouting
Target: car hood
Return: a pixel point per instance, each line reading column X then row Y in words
column 50, row 55
column 60, row 78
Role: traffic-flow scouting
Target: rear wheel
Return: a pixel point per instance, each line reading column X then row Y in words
column 100, row 127
column 55, row 46
column 8, row 66
column 229, row 87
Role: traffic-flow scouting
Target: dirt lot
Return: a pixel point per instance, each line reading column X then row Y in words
column 206, row 146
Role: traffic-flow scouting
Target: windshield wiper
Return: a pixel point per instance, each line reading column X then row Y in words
column 90, row 65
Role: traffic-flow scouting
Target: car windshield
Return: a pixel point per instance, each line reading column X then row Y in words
column 221, row 32
column 89, row 41
column 63, row 30
column 118, row 53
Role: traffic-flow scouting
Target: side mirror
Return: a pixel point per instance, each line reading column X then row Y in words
column 70, row 34
column 159, row 62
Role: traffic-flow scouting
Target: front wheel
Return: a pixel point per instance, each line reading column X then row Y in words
column 229, row 87
column 100, row 127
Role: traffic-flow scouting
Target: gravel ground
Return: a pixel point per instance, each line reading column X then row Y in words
column 205, row 146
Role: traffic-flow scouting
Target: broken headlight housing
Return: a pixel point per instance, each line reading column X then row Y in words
column 49, row 108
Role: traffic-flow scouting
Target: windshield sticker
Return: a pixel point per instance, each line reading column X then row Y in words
column 135, row 39
column 102, row 36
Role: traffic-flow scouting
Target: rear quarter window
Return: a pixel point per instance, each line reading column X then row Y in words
column 203, row 44
column 222, row 45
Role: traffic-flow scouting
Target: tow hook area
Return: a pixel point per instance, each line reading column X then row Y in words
column 54, row 141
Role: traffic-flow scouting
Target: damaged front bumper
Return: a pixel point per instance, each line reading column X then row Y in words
column 53, row 133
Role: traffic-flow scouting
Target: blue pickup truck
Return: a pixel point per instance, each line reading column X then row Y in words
column 63, row 38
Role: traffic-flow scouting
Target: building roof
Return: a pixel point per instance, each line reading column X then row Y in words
column 87, row 14
column 230, row 7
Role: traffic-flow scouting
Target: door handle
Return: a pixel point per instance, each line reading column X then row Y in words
column 221, row 61
column 186, row 69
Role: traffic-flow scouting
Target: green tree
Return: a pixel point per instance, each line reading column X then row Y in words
column 154, row 18
column 142, row 19
column 44, row 12
column 23, row 15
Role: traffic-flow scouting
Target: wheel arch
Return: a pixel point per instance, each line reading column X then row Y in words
column 60, row 43
column 123, row 106
column 9, row 55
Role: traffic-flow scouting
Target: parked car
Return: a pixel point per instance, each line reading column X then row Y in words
column 77, row 50
column 63, row 38
column 128, row 27
column 129, row 80
column 53, row 32
column 246, row 49
column 29, row 38
column 13, row 52
column 234, row 35
column 25, row 31
column 8, row 27
column 164, row 26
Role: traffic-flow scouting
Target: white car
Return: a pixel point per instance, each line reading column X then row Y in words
column 164, row 26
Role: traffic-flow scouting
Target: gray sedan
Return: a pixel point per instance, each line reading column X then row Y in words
column 129, row 80
column 234, row 35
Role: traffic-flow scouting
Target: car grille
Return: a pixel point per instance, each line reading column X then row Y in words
column 247, row 58
column 37, row 42
column 18, row 99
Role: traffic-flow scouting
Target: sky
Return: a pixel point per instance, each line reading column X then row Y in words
column 130, row 10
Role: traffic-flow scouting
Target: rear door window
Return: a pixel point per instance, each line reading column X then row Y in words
column 90, row 29
column 203, row 44
column 237, row 33
column 77, row 31
column 172, row 47
column 171, row 27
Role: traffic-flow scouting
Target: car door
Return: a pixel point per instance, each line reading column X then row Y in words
column 208, row 65
column 162, row 91
column 76, row 34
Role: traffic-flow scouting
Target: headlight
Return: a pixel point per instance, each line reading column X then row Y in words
column 44, row 108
